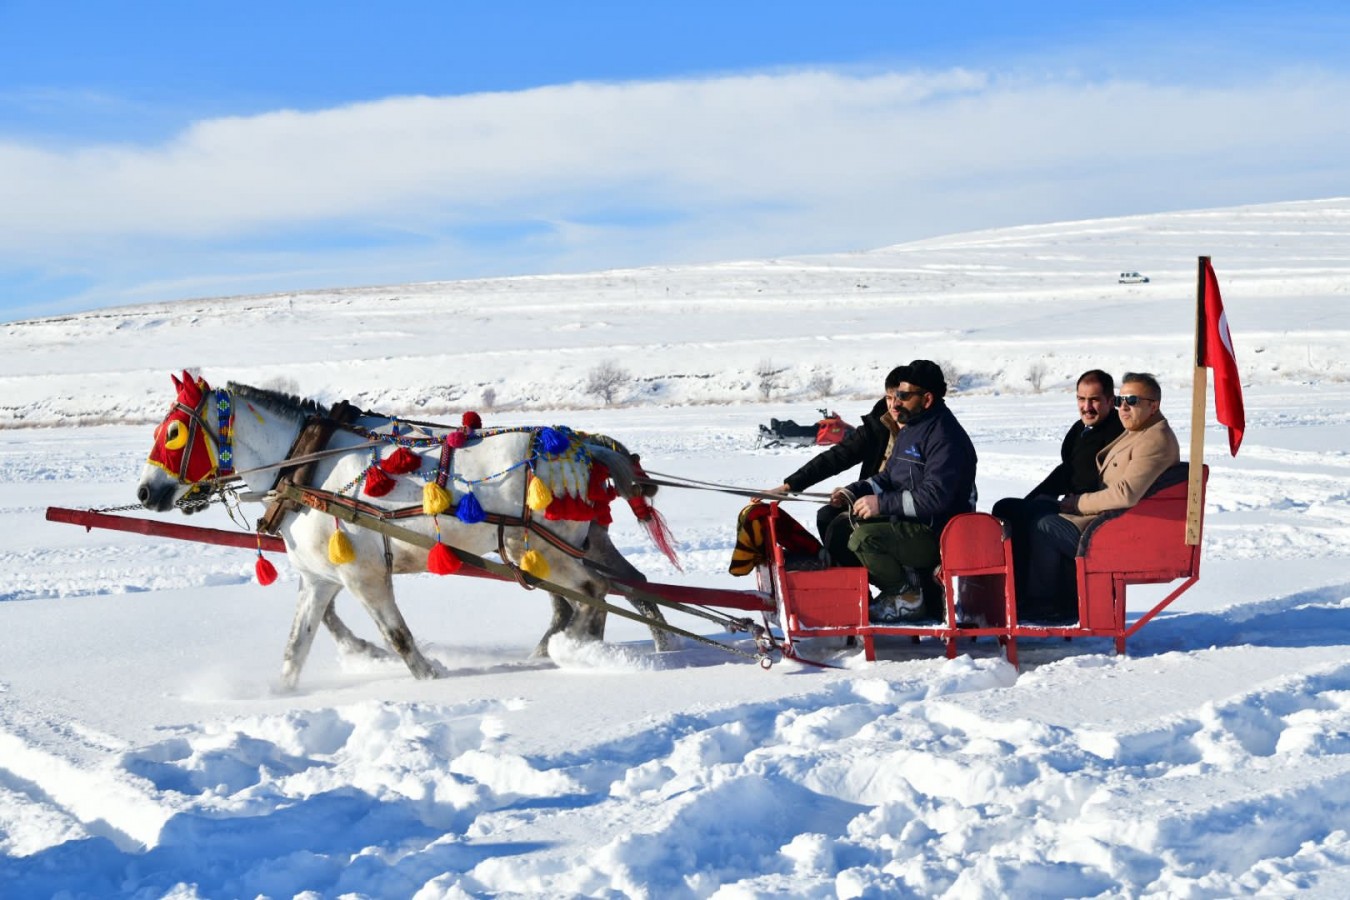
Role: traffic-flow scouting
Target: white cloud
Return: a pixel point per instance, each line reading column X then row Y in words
column 727, row 166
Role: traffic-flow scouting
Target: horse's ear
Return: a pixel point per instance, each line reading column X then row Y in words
column 177, row 385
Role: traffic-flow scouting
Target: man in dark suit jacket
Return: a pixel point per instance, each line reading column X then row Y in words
column 1097, row 425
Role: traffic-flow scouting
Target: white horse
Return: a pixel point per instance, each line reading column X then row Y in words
column 214, row 434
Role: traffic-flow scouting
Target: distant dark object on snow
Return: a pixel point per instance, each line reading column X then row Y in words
column 829, row 429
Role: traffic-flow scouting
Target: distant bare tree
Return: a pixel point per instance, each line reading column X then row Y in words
column 770, row 378
column 821, row 385
column 951, row 373
column 489, row 397
column 606, row 380
column 1036, row 375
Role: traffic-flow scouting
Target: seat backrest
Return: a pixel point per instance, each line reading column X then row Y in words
column 971, row 542
column 1149, row 537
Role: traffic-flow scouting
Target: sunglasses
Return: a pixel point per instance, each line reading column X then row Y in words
column 1132, row 400
column 902, row 396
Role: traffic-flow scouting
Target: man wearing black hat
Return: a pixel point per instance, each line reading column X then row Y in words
column 897, row 515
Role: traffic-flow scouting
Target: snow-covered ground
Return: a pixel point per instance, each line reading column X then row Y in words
column 146, row 751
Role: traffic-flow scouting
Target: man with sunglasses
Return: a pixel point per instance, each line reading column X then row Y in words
column 896, row 515
column 1127, row 468
column 1097, row 426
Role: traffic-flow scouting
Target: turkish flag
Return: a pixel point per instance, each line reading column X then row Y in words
column 1218, row 355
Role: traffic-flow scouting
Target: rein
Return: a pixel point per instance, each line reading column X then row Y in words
column 692, row 484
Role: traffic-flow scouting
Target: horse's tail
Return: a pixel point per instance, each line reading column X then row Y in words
column 625, row 470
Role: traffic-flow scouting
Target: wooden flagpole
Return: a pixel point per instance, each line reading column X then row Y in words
column 1199, row 398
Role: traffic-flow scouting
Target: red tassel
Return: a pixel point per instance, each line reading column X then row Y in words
column 377, row 483
column 264, row 570
column 656, row 527
column 442, row 561
column 401, row 462
column 456, row 439
column 472, row 420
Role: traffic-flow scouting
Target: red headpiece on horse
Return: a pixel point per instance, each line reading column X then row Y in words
column 184, row 445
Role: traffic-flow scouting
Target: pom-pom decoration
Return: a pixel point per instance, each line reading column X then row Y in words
column 264, row 571
column 538, row 497
column 340, row 549
column 533, row 563
column 456, row 439
column 553, row 442
column 442, row 560
column 469, row 510
column 377, row 483
column 435, row 499
column 401, row 462
column 472, row 420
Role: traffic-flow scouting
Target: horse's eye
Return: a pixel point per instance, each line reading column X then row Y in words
column 175, row 436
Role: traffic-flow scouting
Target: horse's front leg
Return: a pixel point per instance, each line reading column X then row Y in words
column 375, row 590
column 316, row 598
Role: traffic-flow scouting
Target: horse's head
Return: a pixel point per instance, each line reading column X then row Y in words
column 186, row 449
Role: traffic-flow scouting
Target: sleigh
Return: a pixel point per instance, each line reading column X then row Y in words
column 1145, row 544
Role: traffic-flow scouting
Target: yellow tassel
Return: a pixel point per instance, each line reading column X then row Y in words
column 435, row 499
column 340, row 549
column 533, row 563
column 538, row 497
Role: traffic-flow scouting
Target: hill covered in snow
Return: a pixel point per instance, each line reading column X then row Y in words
column 990, row 305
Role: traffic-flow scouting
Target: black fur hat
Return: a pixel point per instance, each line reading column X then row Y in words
column 926, row 374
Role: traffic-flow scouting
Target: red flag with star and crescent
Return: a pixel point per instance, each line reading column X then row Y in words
column 1218, row 355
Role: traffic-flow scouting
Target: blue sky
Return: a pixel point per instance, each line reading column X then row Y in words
column 167, row 150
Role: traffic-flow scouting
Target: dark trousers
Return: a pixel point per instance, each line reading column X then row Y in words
column 1020, row 515
column 1051, row 576
column 894, row 551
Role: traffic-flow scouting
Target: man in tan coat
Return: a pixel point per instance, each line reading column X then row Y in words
column 1127, row 468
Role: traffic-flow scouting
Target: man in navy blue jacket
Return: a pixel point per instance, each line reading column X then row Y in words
column 898, row 514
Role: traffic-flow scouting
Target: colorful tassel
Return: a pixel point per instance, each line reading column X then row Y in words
column 553, row 442
column 533, row 563
column 469, row 510
column 435, row 499
column 456, row 439
column 340, row 549
column 263, row 569
column 538, row 497
column 472, row 420
column 442, row 560
column 401, row 462
column 377, row 483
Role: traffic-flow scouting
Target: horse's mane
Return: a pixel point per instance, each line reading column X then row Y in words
column 277, row 401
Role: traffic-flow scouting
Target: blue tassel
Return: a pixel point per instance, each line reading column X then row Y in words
column 469, row 510
column 553, row 442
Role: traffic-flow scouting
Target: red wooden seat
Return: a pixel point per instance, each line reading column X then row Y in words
column 1145, row 544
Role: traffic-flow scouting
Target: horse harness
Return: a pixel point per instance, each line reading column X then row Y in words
column 313, row 438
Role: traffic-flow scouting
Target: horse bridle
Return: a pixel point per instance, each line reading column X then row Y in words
column 220, row 447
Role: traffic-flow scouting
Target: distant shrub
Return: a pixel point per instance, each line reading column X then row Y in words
column 1036, row 373
column 770, row 378
column 606, row 380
